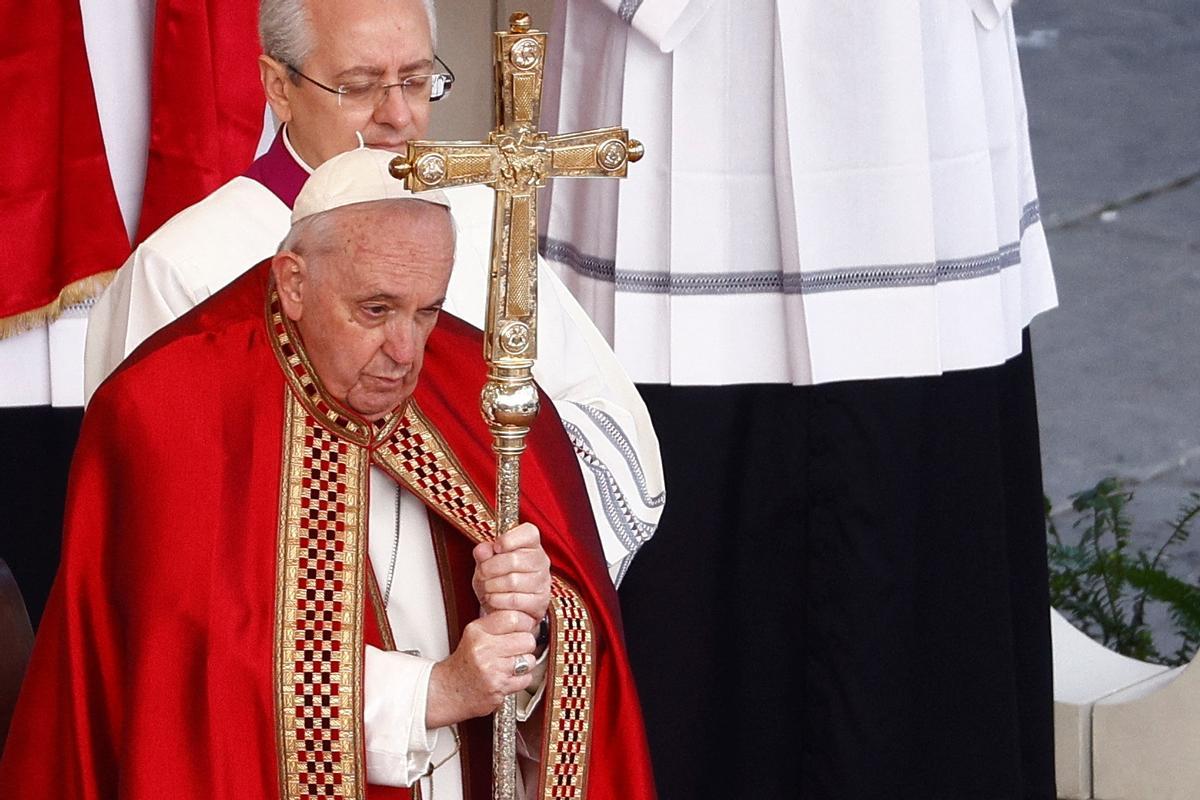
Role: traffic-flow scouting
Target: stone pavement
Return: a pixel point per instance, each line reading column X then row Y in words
column 1115, row 121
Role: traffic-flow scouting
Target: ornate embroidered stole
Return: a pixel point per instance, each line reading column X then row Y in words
column 319, row 610
column 322, row 589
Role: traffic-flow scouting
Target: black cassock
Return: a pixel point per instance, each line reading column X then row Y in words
column 847, row 595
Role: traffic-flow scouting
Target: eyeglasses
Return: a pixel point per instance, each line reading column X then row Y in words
column 370, row 94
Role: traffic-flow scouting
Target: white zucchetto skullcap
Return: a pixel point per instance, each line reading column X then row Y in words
column 356, row 176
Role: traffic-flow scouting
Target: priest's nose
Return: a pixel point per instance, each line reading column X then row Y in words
column 400, row 341
column 394, row 109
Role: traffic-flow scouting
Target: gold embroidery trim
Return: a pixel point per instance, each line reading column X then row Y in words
column 319, row 610
column 416, row 455
column 570, row 693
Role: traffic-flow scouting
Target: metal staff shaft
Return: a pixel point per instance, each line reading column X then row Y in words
column 509, row 402
column 515, row 160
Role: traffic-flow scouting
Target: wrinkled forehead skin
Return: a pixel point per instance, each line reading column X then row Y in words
column 404, row 233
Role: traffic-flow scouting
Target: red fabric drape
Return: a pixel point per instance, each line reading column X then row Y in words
column 206, row 103
column 59, row 219
column 153, row 674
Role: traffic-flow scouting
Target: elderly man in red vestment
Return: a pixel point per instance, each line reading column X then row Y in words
column 239, row 612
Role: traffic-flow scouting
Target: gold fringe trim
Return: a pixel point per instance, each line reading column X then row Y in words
column 72, row 293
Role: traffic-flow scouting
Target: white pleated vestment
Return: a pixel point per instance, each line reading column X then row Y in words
column 831, row 191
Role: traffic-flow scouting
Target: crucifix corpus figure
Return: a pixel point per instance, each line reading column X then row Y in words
column 516, row 160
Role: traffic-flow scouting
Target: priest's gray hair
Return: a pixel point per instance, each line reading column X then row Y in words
column 286, row 34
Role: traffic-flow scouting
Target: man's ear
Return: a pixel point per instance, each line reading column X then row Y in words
column 291, row 281
column 277, row 85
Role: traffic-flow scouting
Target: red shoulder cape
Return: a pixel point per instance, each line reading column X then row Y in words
column 156, row 668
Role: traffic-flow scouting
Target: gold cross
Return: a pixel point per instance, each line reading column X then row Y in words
column 516, row 160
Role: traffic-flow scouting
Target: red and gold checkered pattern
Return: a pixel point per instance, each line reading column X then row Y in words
column 569, row 694
column 417, row 453
column 320, row 583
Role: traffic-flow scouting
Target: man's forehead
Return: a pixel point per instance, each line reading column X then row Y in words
column 370, row 34
column 432, row 295
column 406, row 223
column 380, row 233
column 381, row 271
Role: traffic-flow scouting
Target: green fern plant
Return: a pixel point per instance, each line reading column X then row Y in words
column 1103, row 585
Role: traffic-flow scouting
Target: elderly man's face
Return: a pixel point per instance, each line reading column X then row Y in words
column 365, row 306
column 357, row 41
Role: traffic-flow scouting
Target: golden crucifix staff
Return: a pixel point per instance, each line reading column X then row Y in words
column 516, row 160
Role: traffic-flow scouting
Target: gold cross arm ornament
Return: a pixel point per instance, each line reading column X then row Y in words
column 515, row 161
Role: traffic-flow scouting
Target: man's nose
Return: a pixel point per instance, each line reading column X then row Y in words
column 399, row 343
column 394, row 109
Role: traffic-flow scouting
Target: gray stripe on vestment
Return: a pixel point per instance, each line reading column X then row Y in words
column 627, row 9
column 622, row 568
column 630, row 531
column 954, row 269
column 612, row 431
column 1029, row 215
column 773, row 282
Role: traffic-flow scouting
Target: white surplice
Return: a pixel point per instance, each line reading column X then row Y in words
column 831, row 191
column 207, row 245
